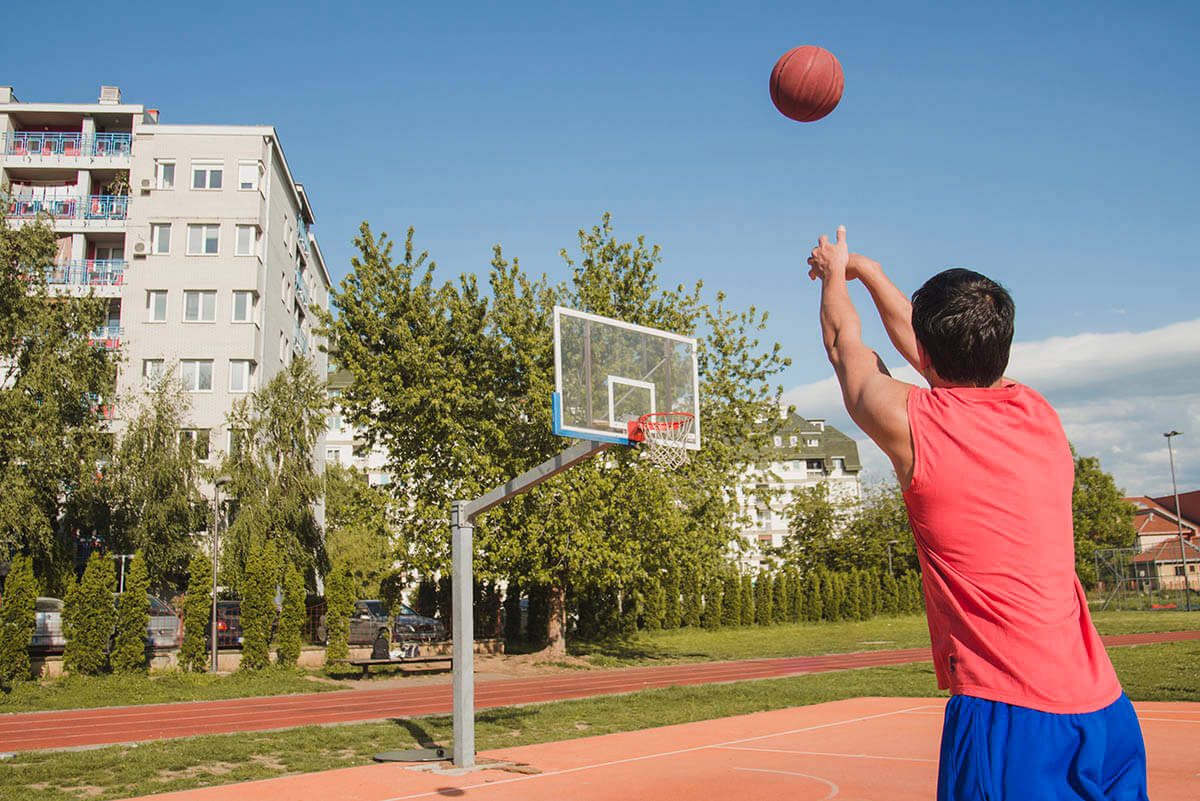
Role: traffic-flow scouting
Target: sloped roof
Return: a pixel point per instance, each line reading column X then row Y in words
column 1155, row 517
column 831, row 443
column 1168, row 551
column 1189, row 505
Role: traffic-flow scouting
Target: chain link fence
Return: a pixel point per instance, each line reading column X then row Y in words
column 1127, row 579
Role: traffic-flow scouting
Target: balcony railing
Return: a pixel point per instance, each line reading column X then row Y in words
column 107, row 337
column 94, row 207
column 98, row 405
column 89, row 272
column 301, row 342
column 302, row 291
column 40, row 143
column 302, row 232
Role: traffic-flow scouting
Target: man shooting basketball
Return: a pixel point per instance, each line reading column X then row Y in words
column 1036, row 710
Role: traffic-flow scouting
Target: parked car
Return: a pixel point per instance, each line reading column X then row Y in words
column 48, row 634
column 164, row 628
column 229, row 625
column 411, row 627
column 369, row 620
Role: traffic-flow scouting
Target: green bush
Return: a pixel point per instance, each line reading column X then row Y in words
column 795, row 596
column 779, row 598
column 830, row 600
column 814, row 608
column 655, row 606
column 891, row 595
column 631, row 603
column 258, row 606
column 197, row 615
column 673, row 611
column 746, row 593
column 425, row 601
column 762, row 599
column 691, row 599
column 291, row 618
column 18, row 617
column 391, row 592
column 339, row 604
column 713, row 604
column 133, row 618
column 731, row 600
column 89, row 617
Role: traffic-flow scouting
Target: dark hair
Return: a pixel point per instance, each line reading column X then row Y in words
column 964, row 321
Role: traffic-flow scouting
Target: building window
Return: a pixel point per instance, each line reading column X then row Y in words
column 196, row 438
column 816, row 466
column 243, row 307
column 793, row 441
column 152, row 372
column 1179, row 570
column 240, row 371
column 764, row 517
column 839, row 465
column 813, row 443
column 164, row 174
column 202, row 240
column 778, row 441
column 206, row 174
column 160, row 238
column 199, row 306
column 247, row 241
column 248, row 175
column 196, row 375
column 333, row 455
column 156, row 305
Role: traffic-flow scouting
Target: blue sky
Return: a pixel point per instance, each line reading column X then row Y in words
column 1051, row 148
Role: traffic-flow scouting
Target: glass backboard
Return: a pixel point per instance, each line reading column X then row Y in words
column 608, row 372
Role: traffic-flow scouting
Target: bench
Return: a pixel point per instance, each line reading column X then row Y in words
column 366, row 664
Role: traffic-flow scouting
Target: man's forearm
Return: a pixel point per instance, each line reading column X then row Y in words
column 839, row 318
column 895, row 310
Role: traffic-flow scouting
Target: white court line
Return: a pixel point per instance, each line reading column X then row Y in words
column 1170, row 720
column 834, row 789
column 824, row 753
column 627, row 760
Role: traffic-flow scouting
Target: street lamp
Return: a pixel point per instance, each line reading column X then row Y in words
column 890, row 543
column 1187, row 597
column 221, row 481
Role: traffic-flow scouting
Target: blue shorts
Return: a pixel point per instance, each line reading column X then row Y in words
column 999, row 752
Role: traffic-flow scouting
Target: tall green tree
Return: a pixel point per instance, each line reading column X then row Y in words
column 731, row 599
column 1102, row 517
column 152, row 488
column 89, row 617
column 339, row 604
column 273, row 474
column 18, row 617
column 815, row 518
column 358, row 532
column 197, row 615
column 258, row 605
column 133, row 619
column 56, row 389
column 763, row 609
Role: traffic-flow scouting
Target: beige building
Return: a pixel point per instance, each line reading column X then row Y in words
column 198, row 235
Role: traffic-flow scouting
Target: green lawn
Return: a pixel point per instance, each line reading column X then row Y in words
column 1149, row 672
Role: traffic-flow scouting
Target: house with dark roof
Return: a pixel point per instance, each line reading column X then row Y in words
column 1160, row 555
column 1155, row 520
column 803, row 453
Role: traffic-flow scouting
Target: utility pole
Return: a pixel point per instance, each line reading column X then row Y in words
column 1187, row 595
column 220, row 482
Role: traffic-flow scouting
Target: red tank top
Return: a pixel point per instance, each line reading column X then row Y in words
column 990, row 508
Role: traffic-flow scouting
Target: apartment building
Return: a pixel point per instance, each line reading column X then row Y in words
column 198, row 236
column 803, row 453
column 344, row 443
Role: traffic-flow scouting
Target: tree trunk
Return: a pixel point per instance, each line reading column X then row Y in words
column 556, row 628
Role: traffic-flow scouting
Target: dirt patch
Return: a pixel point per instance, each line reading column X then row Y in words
column 87, row 790
column 269, row 762
column 212, row 768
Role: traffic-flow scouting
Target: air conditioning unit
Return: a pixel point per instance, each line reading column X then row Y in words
column 147, row 184
column 139, row 248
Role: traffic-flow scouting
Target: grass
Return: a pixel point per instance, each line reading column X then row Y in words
column 1149, row 672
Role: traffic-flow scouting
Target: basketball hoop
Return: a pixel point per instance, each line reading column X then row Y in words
column 665, row 435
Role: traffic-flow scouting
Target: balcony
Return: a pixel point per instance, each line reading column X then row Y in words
column 302, row 291
column 87, row 273
column 98, row 406
column 90, row 209
column 300, row 342
column 107, row 337
column 302, row 233
column 39, row 144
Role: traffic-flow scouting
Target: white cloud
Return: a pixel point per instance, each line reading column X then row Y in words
column 1115, row 393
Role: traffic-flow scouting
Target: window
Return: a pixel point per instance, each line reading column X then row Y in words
column 199, row 307
column 152, row 372
column 247, row 241
column 778, row 441
column 793, row 440
column 196, row 438
column 160, row 238
column 116, row 253
column 812, row 443
column 206, row 174
column 202, row 240
column 839, row 465
column 164, row 174
column 243, row 307
column 816, row 466
column 240, row 371
column 248, row 175
column 196, row 375
column 333, row 455
column 156, row 305
column 1179, row 570
column 764, row 517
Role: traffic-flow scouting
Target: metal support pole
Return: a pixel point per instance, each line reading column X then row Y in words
column 461, row 547
column 1187, row 593
column 216, row 513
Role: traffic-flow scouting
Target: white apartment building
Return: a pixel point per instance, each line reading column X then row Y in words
column 344, row 443
column 198, row 235
column 803, row 453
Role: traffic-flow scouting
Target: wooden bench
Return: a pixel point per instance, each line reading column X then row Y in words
column 366, row 664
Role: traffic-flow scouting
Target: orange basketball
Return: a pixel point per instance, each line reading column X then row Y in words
column 806, row 83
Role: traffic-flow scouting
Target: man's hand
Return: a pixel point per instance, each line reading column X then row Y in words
column 827, row 260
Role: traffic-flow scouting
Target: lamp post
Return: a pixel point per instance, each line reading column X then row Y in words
column 221, row 481
column 890, row 543
column 1187, row 596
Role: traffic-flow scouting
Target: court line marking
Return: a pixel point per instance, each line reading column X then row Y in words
column 823, row 753
column 644, row 757
column 1170, row 720
column 834, row 789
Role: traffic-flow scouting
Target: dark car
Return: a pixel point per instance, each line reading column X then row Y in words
column 229, row 625
column 411, row 627
column 369, row 620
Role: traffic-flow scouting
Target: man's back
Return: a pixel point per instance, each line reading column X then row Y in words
column 990, row 507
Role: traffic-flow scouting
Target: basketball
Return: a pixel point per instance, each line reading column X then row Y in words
column 806, row 83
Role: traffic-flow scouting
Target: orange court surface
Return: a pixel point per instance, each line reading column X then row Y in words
column 862, row 749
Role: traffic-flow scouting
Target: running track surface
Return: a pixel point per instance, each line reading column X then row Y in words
column 110, row 725
column 861, row 749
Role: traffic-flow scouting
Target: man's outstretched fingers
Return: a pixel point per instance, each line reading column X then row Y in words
column 841, row 235
column 822, row 241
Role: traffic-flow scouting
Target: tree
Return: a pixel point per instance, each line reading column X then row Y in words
column 779, row 597
column 814, row 608
column 358, row 533
column 197, row 615
column 713, row 602
column 258, row 606
column 692, row 599
column 881, row 518
column 152, row 488
column 814, row 519
column 291, row 618
column 731, row 599
column 673, row 614
column 339, row 604
column 133, row 619
column 763, row 609
column 1102, row 517
column 273, row 474
column 55, row 391
column 89, row 617
column 795, row 600
column 746, row 591
column 18, row 617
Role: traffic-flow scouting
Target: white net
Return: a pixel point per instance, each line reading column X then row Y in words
column 666, row 438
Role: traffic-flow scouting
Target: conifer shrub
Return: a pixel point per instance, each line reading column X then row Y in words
column 763, row 610
column 746, row 587
column 133, row 620
column 425, row 601
column 89, row 616
column 731, row 600
column 672, row 607
column 691, row 599
column 258, row 606
column 795, row 596
column 655, row 605
column 814, row 608
column 713, row 603
column 537, row 620
column 18, row 618
column 891, row 595
column 779, row 598
column 197, row 615
column 291, row 618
